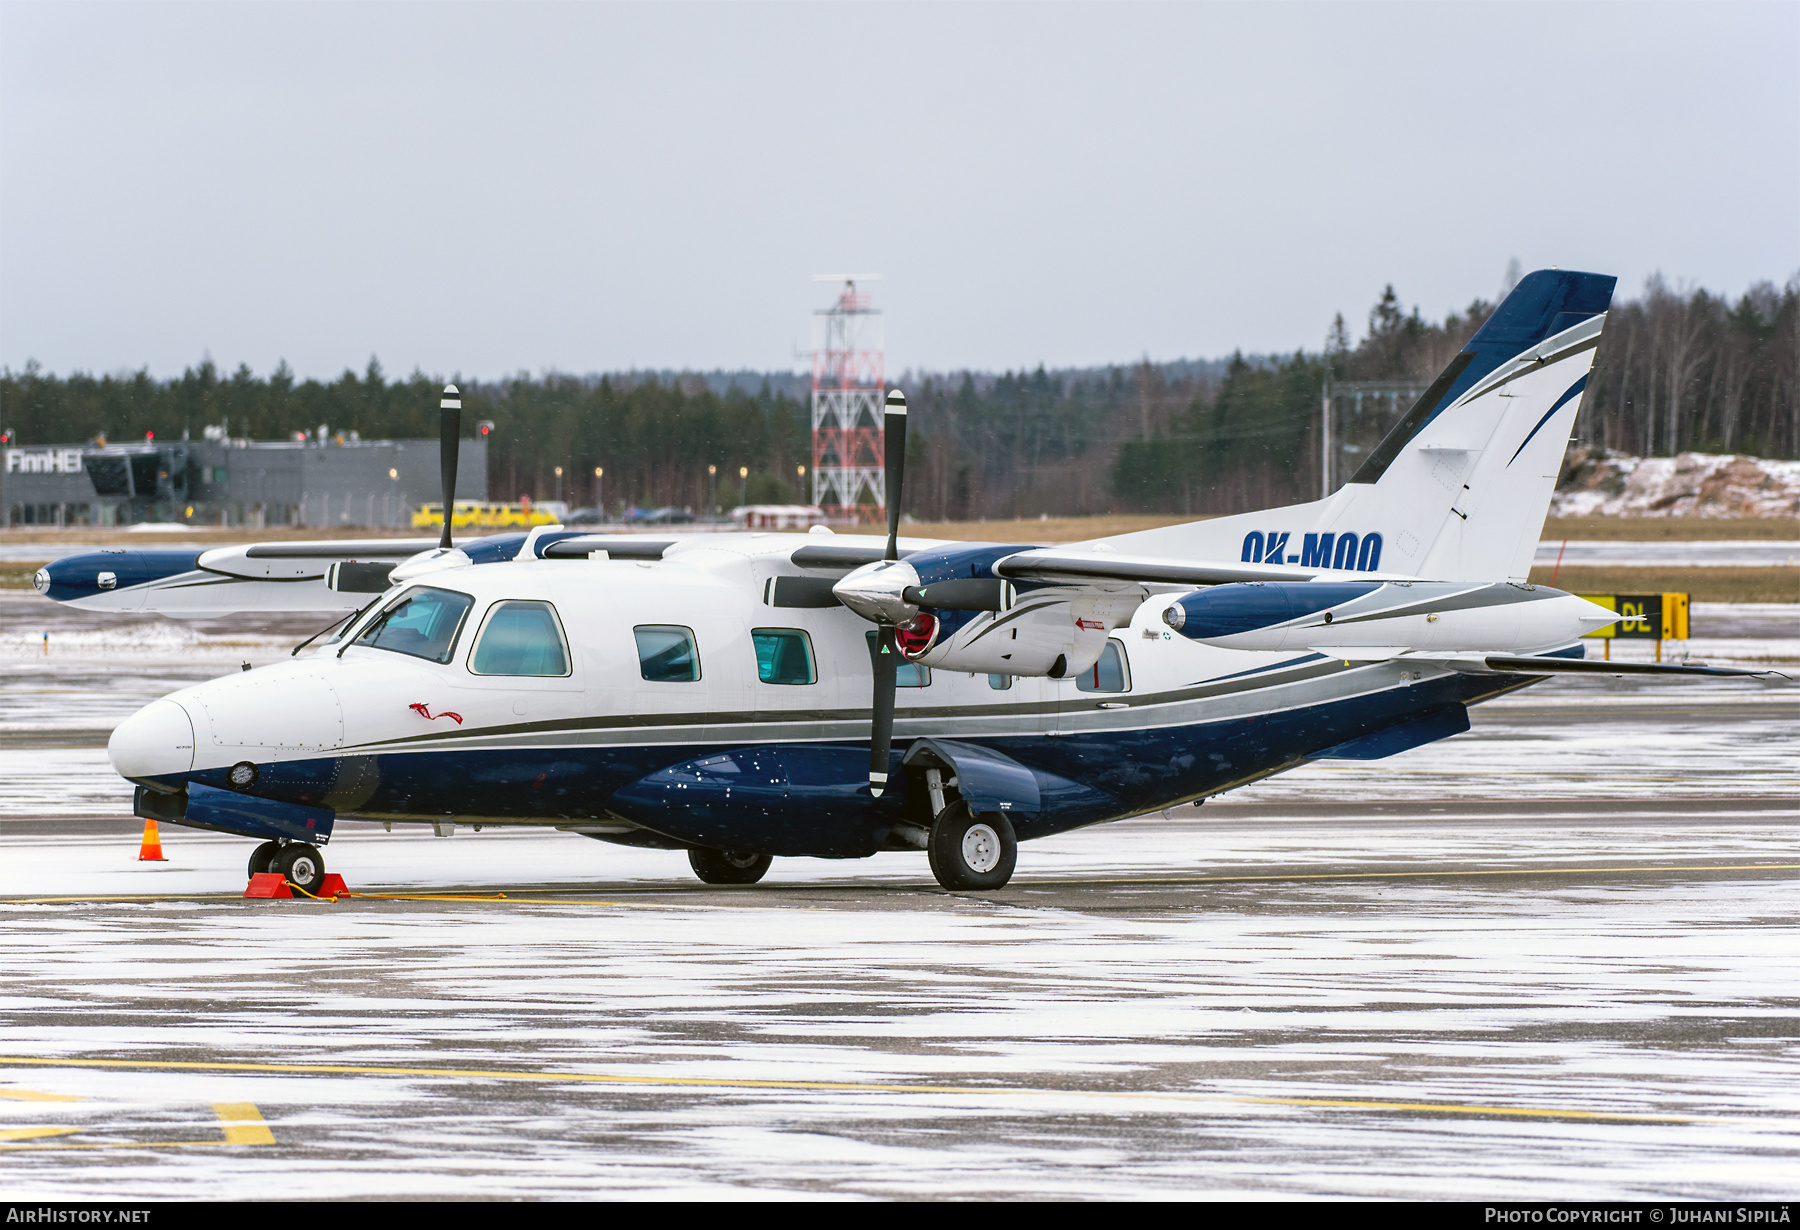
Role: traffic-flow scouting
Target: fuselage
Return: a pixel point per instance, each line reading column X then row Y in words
column 753, row 733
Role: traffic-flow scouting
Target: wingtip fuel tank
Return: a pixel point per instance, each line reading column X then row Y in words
column 1427, row 616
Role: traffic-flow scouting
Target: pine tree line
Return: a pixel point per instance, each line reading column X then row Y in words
column 1677, row 370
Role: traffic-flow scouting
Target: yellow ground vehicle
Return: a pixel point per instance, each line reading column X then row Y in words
column 477, row 514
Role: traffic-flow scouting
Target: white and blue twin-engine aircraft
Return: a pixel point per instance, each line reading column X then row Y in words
column 742, row 696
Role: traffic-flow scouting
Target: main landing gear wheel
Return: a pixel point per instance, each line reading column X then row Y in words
column 972, row 851
column 262, row 859
column 728, row 866
column 301, row 865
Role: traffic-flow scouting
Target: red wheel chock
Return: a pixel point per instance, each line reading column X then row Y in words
column 273, row 885
column 268, row 884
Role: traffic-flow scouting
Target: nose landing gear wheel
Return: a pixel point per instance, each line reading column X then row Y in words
column 972, row 851
column 728, row 866
column 262, row 859
column 301, row 865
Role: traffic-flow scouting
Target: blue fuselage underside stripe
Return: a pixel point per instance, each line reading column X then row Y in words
column 820, row 804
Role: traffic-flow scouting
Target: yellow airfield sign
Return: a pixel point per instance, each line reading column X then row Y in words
column 1648, row 617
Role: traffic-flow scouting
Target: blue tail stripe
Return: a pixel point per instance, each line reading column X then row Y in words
column 1560, row 403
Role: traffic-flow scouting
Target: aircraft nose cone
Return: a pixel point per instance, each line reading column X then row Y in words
column 156, row 740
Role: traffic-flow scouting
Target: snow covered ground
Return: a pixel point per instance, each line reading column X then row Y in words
column 1114, row 1025
column 1553, row 958
column 1689, row 485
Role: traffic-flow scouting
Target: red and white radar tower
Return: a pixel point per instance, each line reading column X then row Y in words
column 848, row 385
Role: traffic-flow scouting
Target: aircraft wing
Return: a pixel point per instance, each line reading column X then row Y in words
column 263, row 576
column 1066, row 567
column 1507, row 664
column 1063, row 567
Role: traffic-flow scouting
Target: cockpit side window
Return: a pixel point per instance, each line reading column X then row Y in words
column 667, row 653
column 784, row 655
column 521, row 638
column 423, row 624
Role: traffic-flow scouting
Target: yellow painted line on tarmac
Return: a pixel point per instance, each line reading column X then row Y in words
column 1399, row 875
column 31, row 1095
column 123, row 897
column 33, row 1133
column 574, row 896
column 241, row 1123
column 705, row 1082
column 122, row 1144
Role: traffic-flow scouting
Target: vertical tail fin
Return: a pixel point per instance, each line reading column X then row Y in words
column 1466, row 477
column 1460, row 488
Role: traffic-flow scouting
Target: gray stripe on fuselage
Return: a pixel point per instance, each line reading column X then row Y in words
column 769, row 727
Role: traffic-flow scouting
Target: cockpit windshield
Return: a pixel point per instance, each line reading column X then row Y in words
column 424, row 624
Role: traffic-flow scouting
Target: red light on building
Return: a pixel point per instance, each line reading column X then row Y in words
column 149, row 435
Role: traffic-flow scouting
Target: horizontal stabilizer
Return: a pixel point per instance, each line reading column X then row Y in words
column 1592, row 666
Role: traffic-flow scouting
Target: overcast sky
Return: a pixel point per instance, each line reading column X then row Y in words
column 493, row 188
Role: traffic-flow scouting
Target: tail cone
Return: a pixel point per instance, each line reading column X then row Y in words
column 151, row 850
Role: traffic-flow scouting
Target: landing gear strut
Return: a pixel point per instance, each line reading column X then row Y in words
column 971, row 851
column 728, row 866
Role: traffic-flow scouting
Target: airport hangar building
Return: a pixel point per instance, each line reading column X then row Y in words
column 337, row 481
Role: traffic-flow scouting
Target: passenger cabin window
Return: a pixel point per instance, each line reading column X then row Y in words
column 667, row 654
column 1000, row 683
column 424, row 624
column 908, row 674
column 1108, row 674
column 521, row 638
column 784, row 655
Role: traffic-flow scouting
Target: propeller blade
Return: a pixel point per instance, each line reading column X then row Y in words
column 881, row 727
column 449, row 440
column 814, row 592
column 962, row 594
column 894, row 462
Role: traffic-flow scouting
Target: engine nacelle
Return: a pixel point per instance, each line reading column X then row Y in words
column 1056, row 631
column 1439, row 616
column 1053, row 631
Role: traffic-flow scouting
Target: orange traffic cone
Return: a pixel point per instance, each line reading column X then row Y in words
column 151, row 850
